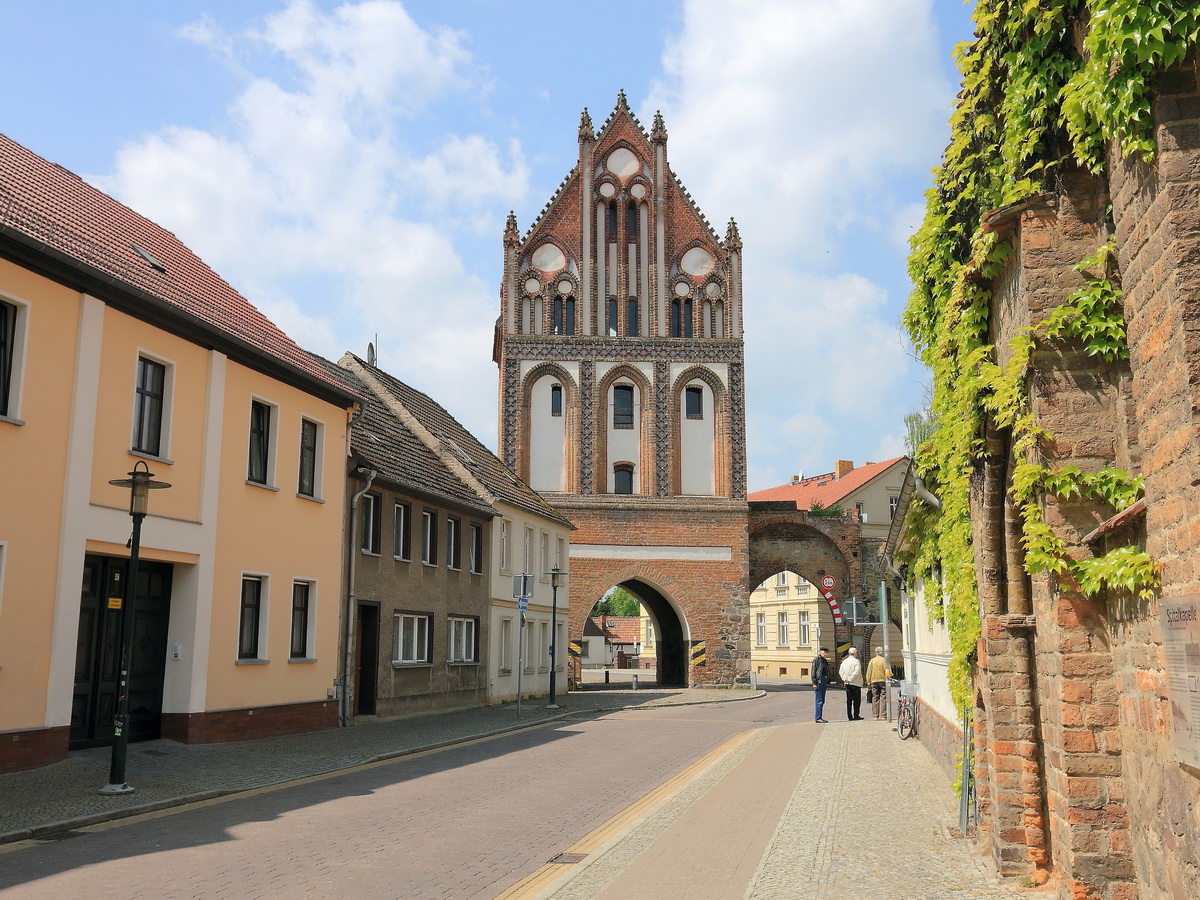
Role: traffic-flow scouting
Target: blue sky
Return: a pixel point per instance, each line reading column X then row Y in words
column 348, row 167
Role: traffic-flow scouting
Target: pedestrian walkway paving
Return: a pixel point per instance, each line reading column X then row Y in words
column 868, row 815
column 63, row 796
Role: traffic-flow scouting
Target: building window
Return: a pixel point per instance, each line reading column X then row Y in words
column 622, row 406
column 687, row 318
column 453, row 542
column 676, row 324
column 631, row 222
column 543, row 646
column 11, row 326
column 623, row 479
column 783, row 629
column 309, row 454
column 259, row 469
column 402, row 531
column 893, row 505
column 694, row 402
column 544, row 560
column 556, row 399
column 570, row 316
column 611, row 217
column 504, row 651
column 476, row 548
column 560, row 554
column 460, row 640
column 760, row 637
column 862, row 513
column 781, row 579
column 804, row 635
column 557, row 315
column 301, row 591
column 369, row 520
column 251, row 617
column 148, row 412
column 505, row 537
column 632, row 322
column 412, row 639
column 612, row 316
column 429, row 537
column 528, row 558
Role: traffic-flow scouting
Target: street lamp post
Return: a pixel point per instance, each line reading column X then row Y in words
column 140, row 482
column 556, row 577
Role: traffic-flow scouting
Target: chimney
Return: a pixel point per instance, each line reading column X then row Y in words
column 844, row 467
column 795, row 479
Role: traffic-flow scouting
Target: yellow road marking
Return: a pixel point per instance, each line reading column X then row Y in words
column 534, row 883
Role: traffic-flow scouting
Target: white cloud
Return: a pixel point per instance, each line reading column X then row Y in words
column 799, row 119
column 323, row 199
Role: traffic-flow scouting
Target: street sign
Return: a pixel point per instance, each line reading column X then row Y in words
column 522, row 585
column 828, row 582
column 522, row 603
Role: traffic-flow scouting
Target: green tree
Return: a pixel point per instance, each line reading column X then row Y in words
column 617, row 602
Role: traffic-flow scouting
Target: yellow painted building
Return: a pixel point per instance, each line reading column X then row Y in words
column 118, row 346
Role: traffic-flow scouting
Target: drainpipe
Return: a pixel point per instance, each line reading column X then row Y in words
column 923, row 493
column 348, row 654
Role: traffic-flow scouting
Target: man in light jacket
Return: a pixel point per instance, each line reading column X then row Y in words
column 877, row 675
column 852, row 676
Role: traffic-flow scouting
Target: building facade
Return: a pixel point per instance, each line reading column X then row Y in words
column 119, row 347
column 620, row 350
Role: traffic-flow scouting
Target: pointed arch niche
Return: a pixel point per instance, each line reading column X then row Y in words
column 549, row 455
column 625, row 433
column 700, row 407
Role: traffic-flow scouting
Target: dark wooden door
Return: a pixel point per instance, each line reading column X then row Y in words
column 367, row 653
column 98, row 650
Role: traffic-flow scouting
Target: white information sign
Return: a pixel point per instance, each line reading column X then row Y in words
column 1181, row 650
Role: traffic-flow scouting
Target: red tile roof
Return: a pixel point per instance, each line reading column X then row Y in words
column 825, row 489
column 52, row 215
column 624, row 629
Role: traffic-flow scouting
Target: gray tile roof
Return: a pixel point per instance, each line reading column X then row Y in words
column 453, row 441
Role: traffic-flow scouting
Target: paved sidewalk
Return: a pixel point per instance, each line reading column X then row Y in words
column 868, row 815
column 64, row 796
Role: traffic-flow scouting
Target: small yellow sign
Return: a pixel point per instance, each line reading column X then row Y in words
column 114, row 602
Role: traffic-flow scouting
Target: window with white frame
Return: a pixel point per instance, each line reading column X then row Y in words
column 411, row 641
column 369, row 516
column 460, row 640
column 309, row 475
column 250, row 631
column 453, row 542
column 12, row 343
column 893, row 505
column 149, row 407
column 528, row 551
column 476, row 548
column 505, row 549
column 560, row 554
column 804, row 634
column 302, row 592
column 544, row 561
column 783, row 629
column 260, row 468
column 429, row 537
column 543, row 664
column 558, row 646
column 781, row 579
column 760, row 637
column 402, row 531
column 504, row 651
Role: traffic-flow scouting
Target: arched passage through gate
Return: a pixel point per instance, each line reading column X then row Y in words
column 785, row 539
column 669, row 633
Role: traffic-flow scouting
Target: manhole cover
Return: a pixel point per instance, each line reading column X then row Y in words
column 569, row 858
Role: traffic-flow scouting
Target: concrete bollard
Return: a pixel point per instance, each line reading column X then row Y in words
column 606, row 676
column 635, row 682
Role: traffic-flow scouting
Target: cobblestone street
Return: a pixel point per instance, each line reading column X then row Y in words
column 713, row 800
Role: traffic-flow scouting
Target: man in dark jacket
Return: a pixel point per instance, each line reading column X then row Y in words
column 820, row 679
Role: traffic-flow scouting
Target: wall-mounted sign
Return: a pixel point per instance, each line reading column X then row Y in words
column 1180, row 621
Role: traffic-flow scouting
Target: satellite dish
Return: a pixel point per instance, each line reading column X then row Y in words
column 370, row 353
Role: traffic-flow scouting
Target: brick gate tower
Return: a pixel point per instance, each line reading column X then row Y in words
column 622, row 397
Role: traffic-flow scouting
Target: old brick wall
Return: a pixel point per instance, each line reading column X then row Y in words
column 1157, row 213
column 710, row 595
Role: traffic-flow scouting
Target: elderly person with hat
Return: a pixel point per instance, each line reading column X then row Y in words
column 852, row 677
column 878, row 673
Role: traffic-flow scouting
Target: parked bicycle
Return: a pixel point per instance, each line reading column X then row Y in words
column 906, row 721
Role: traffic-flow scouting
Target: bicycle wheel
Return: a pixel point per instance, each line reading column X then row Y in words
column 905, row 726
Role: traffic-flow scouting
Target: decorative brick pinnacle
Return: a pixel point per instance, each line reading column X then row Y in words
column 733, row 240
column 586, row 132
column 512, row 236
column 621, row 102
column 658, row 130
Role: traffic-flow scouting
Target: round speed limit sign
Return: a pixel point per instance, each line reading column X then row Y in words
column 828, row 582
